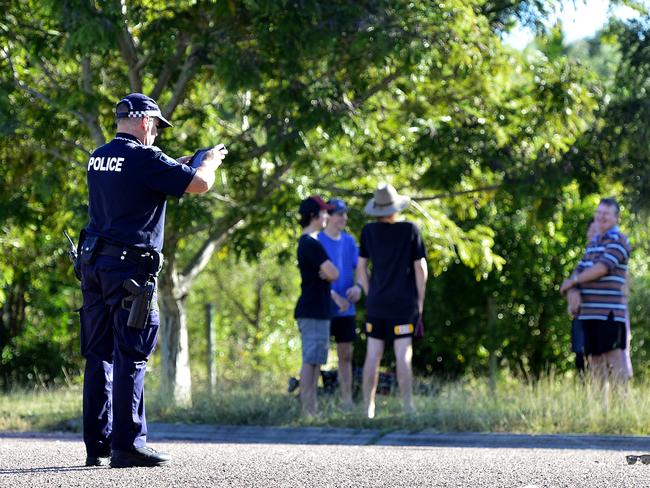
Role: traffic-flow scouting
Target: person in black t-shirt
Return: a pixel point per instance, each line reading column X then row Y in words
column 394, row 291
column 313, row 310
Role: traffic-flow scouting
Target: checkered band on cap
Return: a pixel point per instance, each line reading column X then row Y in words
column 138, row 105
column 139, row 113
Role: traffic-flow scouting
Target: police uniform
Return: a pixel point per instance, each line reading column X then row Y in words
column 128, row 184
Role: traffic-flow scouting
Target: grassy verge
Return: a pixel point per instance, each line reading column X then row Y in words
column 549, row 406
column 40, row 409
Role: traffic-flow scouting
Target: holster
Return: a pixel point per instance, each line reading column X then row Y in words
column 138, row 303
column 140, row 299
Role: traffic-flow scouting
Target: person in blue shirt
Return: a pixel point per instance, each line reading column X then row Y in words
column 343, row 252
column 129, row 181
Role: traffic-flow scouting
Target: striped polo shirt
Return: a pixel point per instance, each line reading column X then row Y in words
column 606, row 294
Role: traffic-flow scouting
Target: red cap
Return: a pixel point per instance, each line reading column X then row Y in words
column 314, row 204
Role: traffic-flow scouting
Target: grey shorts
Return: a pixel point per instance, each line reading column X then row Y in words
column 315, row 335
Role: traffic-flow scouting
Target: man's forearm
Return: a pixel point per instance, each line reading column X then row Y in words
column 591, row 274
column 362, row 275
column 421, row 275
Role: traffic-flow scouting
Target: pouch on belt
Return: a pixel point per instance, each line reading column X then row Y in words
column 89, row 248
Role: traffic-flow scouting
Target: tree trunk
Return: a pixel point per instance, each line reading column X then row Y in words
column 175, row 377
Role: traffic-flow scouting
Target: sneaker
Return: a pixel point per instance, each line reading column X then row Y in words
column 140, row 456
column 98, row 460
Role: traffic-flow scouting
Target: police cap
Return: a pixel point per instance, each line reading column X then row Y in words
column 139, row 105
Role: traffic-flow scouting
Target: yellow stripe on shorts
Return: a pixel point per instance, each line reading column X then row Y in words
column 368, row 327
column 403, row 329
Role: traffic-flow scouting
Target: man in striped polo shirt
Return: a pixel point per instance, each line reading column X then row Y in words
column 601, row 277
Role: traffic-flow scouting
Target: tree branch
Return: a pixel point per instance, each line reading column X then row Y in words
column 373, row 90
column 86, row 75
column 88, row 120
column 181, row 84
column 238, row 305
column 91, row 120
column 172, row 63
column 129, row 52
column 222, row 230
column 440, row 196
column 352, row 193
column 341, row 107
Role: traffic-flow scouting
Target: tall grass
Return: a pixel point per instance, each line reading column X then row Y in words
column 40, row 409
column 550, row 405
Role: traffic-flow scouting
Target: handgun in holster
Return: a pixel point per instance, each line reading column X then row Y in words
column 140, row 299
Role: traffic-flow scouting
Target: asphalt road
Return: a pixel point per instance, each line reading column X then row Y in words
column 222, row 456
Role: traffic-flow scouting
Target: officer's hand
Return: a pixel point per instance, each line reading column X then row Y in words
column 215, row 156
column 184, row 159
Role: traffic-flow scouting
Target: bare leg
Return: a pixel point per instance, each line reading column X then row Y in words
column 374, row 351
column 599, row 376
column 308, row 387
column 344, row 351
column 628, row 344
column 404, row 355
column 619, row 371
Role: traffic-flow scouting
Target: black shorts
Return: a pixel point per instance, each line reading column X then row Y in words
column 390, row 329
column 344, row 329
column 602, row 336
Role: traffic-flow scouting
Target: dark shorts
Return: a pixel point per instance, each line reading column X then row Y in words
column 577, row 336
column 344, row 329
column 390, row 329
column 602, row 336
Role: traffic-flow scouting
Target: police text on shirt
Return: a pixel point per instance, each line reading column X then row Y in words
column 102, row 163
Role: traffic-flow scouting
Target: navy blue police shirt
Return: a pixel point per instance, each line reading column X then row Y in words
column 314, row 301
column 392, row 249
column 128, row 185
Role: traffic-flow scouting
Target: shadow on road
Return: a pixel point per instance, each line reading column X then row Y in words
column 159, row 432
column 48, row 469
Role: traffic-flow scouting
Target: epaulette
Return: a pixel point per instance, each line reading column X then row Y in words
column 152, row 149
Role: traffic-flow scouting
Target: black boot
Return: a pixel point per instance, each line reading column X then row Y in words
column 98, row 460
column 140, row 456
column 98, row 457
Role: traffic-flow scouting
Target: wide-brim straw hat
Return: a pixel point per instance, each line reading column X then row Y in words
column 386, row 201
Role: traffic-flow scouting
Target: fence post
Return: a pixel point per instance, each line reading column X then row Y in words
column 211, row 334
column 492, row 342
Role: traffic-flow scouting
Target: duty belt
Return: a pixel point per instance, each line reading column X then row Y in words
column 124, row 253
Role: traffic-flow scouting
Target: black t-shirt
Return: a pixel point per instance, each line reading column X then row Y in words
column 391, row 250
column 314, row 301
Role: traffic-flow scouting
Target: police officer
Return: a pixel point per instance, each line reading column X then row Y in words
column 129, row 180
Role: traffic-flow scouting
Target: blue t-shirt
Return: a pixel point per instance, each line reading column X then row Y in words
column 128, row 185
column 345, row 255
column 314, row 301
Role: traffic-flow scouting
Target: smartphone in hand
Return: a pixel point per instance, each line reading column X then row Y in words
column 197, row 158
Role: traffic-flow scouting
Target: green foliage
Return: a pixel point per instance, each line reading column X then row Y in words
column 253, row 307
column 500, row 150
